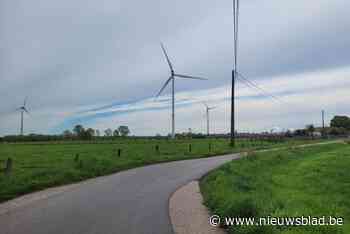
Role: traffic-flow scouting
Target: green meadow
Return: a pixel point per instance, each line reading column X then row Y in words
column 308, row 181
column 37, row 166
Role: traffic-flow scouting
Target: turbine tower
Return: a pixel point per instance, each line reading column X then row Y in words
column 23, row 109
column 172, row 77
column 207, row 112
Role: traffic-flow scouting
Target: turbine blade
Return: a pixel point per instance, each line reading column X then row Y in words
column 167, row 57
column 25, row 109
column 164, row 86
column 25, row 101
column 189, row 77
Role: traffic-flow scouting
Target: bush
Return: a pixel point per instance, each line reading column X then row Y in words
column 337, row 131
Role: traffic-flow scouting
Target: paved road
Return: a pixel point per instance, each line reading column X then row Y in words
column 130, row 202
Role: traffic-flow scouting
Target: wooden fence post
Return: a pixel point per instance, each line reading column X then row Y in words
column 76, row 158
column 8, row 168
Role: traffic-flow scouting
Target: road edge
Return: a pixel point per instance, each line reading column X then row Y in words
column 188, row 214
column 187, row 200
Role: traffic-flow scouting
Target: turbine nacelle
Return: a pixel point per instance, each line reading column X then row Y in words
column 208, row 108
column 24, row 108
column 174, row 75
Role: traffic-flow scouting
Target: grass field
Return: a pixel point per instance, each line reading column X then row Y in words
column 41, row 165
column 312, row 181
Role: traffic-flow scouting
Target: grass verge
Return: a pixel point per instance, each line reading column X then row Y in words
column 312, row 181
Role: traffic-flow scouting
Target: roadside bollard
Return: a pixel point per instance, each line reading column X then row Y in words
column 8, row 168
column 190, row 148
column 209, row 147
column 119, row 152
column 157, row 148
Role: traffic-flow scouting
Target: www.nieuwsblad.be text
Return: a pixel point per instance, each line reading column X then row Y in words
column 216, row 220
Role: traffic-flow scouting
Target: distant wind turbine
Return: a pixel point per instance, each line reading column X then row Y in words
column 23, row 109
column 207, row 112
column 172, row 77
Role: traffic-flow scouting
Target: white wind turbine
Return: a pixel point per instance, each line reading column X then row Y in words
column 23, row 109
column 207, row 112
column 172, row 77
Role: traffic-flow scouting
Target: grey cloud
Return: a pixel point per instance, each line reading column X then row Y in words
column 67, row 54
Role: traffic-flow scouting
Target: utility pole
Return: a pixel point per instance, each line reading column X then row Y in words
column 208, row 133
column 323, row 125
column 234, row 70
column 323, row 119
column 233, row 133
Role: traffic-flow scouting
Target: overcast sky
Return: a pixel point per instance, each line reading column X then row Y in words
column 99, row 63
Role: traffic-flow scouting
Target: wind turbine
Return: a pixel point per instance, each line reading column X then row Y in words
column 23, row 109
column 207, row 111
column 172, row 77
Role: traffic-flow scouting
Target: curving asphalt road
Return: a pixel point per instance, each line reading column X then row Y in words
column 129, row 202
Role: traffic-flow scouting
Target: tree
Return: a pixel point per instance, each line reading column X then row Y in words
column 337, row 131
column 288, row 133
column 124, row 130
column 310, row 129
column 108, row 132
column 189, row 134
column 115, row 133
column 89, row 133
column 300, row 132
column 341, row 122
column 158, row 136
column 81, row 133
column 78, row 130
column 67, row 134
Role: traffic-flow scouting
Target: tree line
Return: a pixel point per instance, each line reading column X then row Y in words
column 77, row 133
column 87, row 134
column 339, row 126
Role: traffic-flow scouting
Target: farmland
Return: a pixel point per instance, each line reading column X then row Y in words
column 41, row 165
column 295, row 182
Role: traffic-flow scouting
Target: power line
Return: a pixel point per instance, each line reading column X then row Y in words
column 247, row 84
column 252, row 84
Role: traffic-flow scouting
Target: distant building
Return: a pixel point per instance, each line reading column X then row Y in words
column 317, row 134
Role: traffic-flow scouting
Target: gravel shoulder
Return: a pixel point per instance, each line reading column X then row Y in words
column 188, row 214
